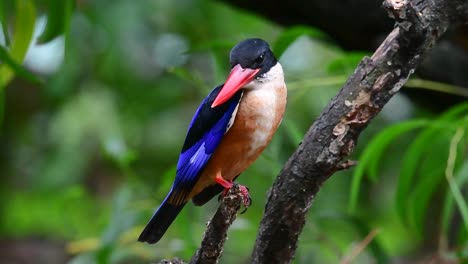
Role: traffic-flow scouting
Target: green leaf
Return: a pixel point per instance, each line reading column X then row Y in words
column 4, row 21
column 2, row 106
column 448, row 208
column 389, row 135
column 462, row 238
column 290, row 35
column 411, row 159
column 23, row 31
column 410, row 163
column 431, row 170
column 58, row 19
column 373, row 153
column 451, row 164
column 103, row 255
column 418, row 202
column 436, row 86
column 17, row 68
column 24, row 28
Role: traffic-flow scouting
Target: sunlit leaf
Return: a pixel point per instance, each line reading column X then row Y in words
column 23, row 30
column 17, row 68
column 291, row 34
column 373, row 153
column 58, row 19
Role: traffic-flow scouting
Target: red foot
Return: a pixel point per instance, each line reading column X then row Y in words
column 243, row 190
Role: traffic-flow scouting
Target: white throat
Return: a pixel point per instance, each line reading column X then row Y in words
column 262, row 106
column 273, row 78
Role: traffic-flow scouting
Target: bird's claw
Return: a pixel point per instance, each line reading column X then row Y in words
column 244, row 192
column 246, row 199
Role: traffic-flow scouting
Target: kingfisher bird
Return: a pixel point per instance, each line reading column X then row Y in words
column 230, row 129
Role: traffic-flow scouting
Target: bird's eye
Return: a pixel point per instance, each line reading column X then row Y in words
column 259, row 59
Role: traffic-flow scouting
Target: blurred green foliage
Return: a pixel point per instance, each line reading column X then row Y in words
column 93, row 122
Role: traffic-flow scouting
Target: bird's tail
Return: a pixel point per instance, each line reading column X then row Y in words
column 160, row 221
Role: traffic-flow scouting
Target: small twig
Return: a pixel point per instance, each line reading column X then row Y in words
column 360, row 247
column 215, row 235
column 457, row 194
column 346, row 165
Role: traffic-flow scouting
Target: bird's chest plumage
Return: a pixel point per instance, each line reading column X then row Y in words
column 256, row 119
column 259, row 114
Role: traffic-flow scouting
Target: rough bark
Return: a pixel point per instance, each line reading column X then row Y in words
column 332, row 137
column 215, row 235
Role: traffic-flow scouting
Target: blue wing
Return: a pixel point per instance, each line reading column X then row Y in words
column 205, row 132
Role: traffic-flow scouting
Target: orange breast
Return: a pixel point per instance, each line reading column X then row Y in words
column 259, row 115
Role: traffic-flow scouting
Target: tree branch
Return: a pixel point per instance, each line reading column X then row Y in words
column 216, row 231
column 334, row 134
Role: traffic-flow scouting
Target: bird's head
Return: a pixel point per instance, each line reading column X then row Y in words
column 250, row 59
